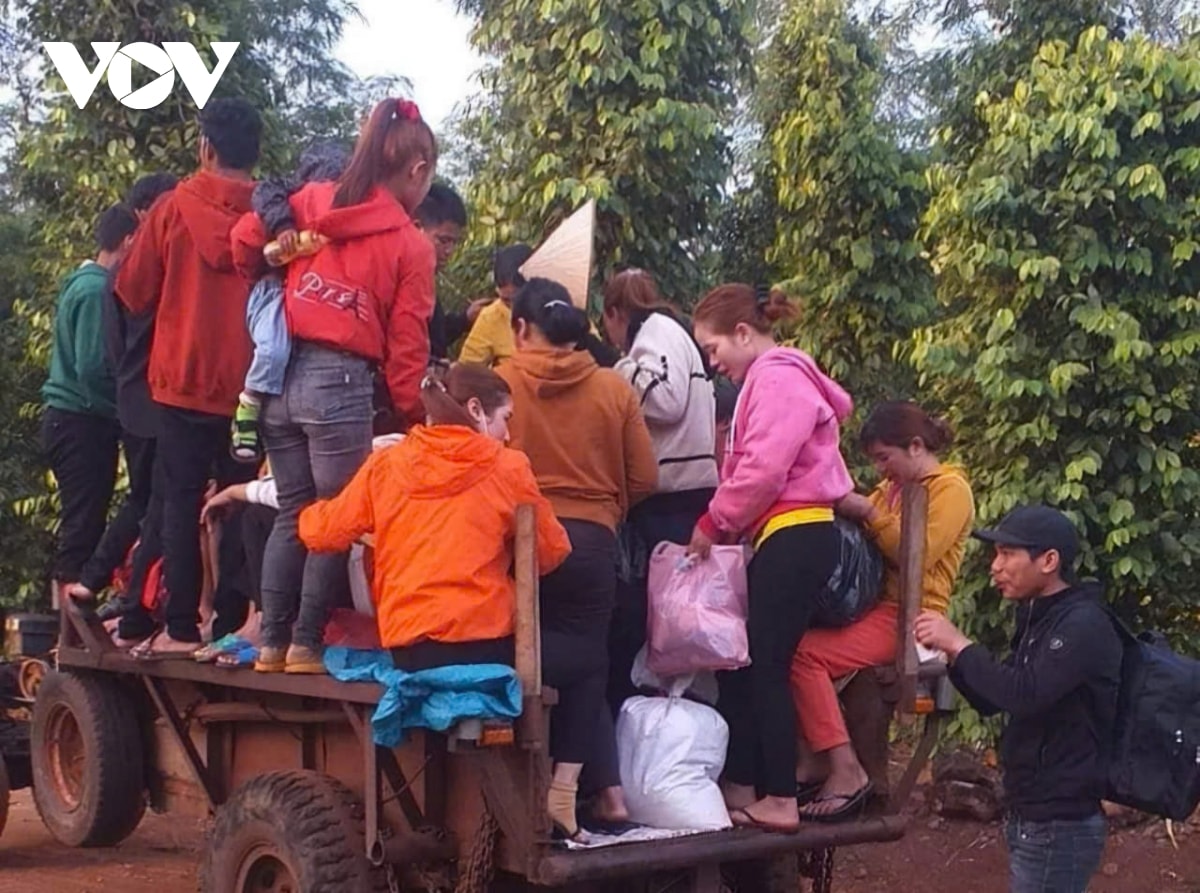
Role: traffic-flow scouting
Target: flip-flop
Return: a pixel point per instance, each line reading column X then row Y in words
column 749, row 821
column 151, row 654
column 609, row 827
column 227, row 644
column 242, row 657
column 852, row 806
column 808, row 791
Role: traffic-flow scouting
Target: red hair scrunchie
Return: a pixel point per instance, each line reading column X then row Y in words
column 406, row 110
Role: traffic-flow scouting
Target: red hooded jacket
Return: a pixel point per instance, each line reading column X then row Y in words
column 369, row 291
column 181, row 269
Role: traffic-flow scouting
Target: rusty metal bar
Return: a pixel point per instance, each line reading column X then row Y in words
column 236, row 711
column 908, row 781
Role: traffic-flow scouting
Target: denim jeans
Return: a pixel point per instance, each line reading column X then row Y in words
column 318, row 434
column 1059, row 856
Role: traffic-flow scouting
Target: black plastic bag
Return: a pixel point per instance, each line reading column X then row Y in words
column 633, row 556
column 856, row 582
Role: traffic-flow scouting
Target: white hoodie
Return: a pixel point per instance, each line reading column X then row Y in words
column 665, row 368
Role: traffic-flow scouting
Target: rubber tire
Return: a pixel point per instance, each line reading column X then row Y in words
column 113, row 797
column 4, row 791
column 314, row 824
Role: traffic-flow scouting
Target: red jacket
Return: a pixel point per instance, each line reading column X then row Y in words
column 181, row 269
column 369, row 291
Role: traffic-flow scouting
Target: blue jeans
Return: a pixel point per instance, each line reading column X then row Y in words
column 269, row 332
column 1054, row 857
column 318, row 434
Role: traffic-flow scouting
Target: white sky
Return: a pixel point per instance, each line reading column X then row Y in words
column 426, row 41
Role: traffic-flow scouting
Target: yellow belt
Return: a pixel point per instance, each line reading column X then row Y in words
column 794, row 518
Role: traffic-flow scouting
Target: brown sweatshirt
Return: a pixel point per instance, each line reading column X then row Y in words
column 584, row 434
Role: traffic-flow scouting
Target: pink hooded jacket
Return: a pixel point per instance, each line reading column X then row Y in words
column 783, row 448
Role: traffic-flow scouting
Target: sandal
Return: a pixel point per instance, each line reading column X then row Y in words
column 851, row 808
column 747, row 820
column 224, row 645
column 151, row 653
column 242, row 657
column 808, row 791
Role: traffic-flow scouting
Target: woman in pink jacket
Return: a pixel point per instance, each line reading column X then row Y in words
column 782, row 475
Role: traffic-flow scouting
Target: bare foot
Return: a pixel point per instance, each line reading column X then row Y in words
column 164, row 644
column 610, row 806
column 251, row 630
column 738, row 796
column 769, row 814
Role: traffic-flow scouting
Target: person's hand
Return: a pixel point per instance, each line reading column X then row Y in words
column 289, row 242
column 934, row 630
column 475, row 308
column 855, row 506
column 219, row 503
column 701, row 545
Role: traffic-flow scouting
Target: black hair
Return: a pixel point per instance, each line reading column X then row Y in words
column 114, row 225
column 143, row 193
column 234, row 129
column 506, row 268
column 547, row 305
column 322, row 161
column 442, row 205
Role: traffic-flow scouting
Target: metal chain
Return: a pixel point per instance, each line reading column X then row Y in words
column 476, row 875
column 822, row 871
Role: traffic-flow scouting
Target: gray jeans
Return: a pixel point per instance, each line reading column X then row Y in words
column 317, row 433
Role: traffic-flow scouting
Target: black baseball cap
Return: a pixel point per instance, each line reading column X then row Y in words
column 1039, row 528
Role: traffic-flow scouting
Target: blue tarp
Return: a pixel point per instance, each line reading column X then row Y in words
column 429, row 699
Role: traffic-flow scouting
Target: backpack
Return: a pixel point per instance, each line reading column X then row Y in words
column 1155, row 761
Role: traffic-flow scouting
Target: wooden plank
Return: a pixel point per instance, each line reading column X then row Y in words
column 166, row 708
column 527, row 622
column 914, row 515
column 324, row 687
column 572, row 866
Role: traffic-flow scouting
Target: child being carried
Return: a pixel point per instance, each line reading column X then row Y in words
column 264, row 311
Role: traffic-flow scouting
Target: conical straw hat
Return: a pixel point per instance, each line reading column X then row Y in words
column 566, row 255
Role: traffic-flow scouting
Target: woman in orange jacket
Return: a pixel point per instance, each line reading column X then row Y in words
column 442, row 507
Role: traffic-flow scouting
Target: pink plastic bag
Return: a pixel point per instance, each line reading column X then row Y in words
column 697, row 611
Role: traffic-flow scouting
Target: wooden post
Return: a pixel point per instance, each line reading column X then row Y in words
column 528, row 620
column 914, row 515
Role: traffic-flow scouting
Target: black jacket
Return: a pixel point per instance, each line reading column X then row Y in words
column 1059, row 689
column 127, row 341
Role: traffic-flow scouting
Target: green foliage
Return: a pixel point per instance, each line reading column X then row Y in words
column 621, row 102
column 63, row 165
column 849, row 203
column 1069, row 250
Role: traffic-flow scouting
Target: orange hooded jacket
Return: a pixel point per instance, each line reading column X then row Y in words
column 442, row 507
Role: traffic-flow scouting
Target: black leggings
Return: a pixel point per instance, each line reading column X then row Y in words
column 786, row 575
column 429, row 654
column 577, row 605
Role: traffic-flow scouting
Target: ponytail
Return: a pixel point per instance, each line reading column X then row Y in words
column 445, row 395
column 728, row 306
column 395, row 136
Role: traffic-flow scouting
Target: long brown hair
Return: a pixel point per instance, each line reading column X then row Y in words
column 727, row 306
column 897, row 423
column 395, row 136
column 445, row 396
column 634, row 290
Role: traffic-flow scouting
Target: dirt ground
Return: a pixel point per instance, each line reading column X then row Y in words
column 162, row 855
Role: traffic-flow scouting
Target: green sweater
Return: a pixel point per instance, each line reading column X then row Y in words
column 80, row 380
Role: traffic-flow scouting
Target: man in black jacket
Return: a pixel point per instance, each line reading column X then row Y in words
column 1059, row 689
column 127, row 347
